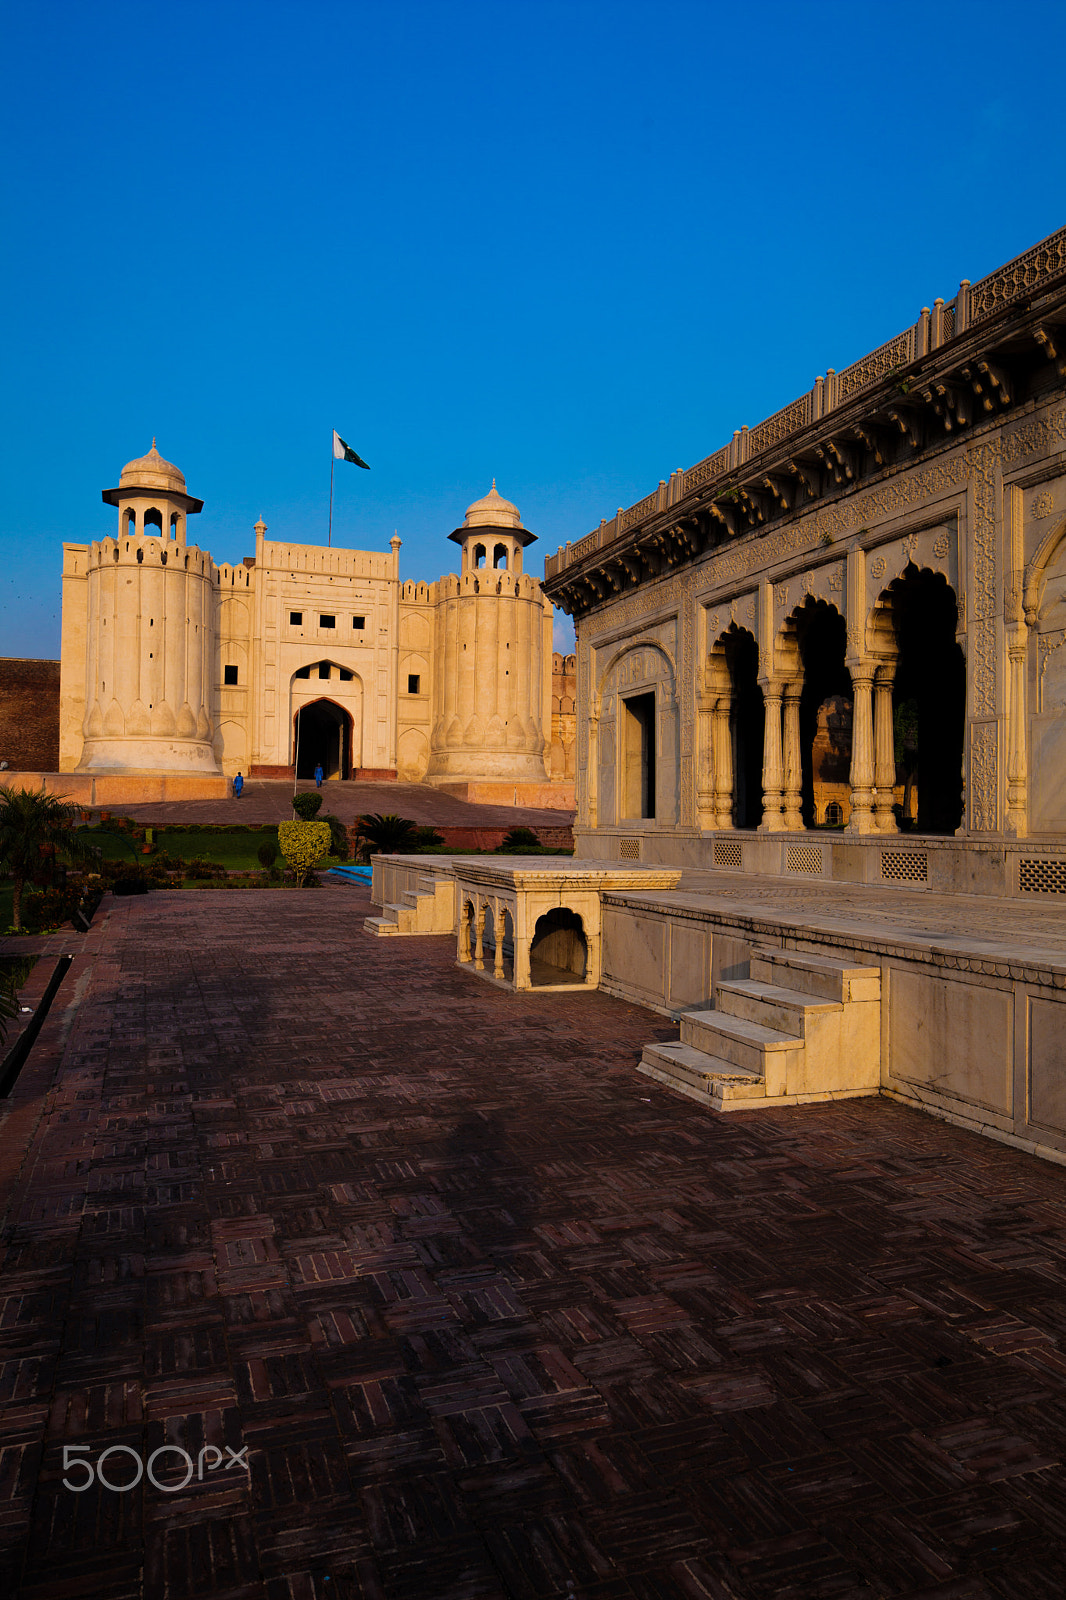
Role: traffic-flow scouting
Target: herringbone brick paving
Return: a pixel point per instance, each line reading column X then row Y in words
column 492, row 1315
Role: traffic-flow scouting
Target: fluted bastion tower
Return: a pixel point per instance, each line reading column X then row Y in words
column 491, row 716
column 149, row 632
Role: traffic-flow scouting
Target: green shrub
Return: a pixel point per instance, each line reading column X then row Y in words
column 200, row 867
column 303, row 844
column 307, row 805
column 268, row 853
column 384, row 834
column 426, row 839
column 519, row 840
column 48, row 908
column 339, row 848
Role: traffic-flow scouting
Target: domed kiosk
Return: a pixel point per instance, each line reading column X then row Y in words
column 491, row 715
column 149, row 633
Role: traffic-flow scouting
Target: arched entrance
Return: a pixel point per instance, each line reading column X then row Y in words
column 558, row 951
column 747, row 718
column 322, row 732
column 928, row 699
column 824, row 708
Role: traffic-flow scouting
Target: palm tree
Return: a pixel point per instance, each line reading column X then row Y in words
column 385, row 835
column 34, row 825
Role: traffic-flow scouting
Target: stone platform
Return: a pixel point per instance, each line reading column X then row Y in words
column 788, row 993
column 972, row 992
column 493, row 1315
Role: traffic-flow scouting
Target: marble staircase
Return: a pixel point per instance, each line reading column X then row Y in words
column 800, row 1027
column 427, row 908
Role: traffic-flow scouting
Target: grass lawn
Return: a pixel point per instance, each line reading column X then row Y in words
column 234, row 848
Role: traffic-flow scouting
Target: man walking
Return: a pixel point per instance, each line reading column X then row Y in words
column 319, row 775
column 238, row 785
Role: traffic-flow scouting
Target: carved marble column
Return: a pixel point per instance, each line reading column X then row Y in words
column 497, row 934
column 772, row 774
column 884, row 752
column 723, row 763
column 793, row 760
column 592, row 773
column 464, row 934
column 479, row 948
column 862, row 755
column 706, row 761
column 1016, row 821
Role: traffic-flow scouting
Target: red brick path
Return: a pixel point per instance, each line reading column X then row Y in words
column 493, row 1315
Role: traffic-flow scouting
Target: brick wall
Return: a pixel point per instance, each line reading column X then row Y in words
column 29, row 715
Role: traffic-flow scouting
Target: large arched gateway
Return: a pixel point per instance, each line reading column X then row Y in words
column 322, row 733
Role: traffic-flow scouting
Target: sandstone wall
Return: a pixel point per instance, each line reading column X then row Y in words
column 29, row 715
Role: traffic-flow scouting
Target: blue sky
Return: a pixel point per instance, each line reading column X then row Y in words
column 571, row 246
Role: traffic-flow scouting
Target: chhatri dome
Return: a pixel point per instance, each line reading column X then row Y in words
column 152, row 473
column 493, row 511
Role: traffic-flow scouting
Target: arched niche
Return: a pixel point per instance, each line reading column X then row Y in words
column 811, row 650
column 558, row 950
column 739, row 716
column 637, row 736
column 912, row 633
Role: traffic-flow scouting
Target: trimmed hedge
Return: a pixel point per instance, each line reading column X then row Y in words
column 303, row 844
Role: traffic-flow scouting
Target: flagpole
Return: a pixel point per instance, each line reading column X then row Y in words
column 332, row 458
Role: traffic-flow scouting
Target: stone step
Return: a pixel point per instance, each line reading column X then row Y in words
column 739, row 1042
column 826, row 976
column 381, row 926
column 696, row 1067
column 700, row 1076
column 784, row 1010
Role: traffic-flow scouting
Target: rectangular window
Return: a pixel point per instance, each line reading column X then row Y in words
column 327, row 622
column 358, row 622
column 296, row 619
column 229, row 674
column 323, row 669
column 345, row 675
column 302, row 672
column 412, row 683
column 638, row 775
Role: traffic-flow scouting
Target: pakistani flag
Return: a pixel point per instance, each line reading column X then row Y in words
column 344, row 452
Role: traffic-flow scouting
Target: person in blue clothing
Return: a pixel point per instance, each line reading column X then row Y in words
column 319, row 775
column 238, row 785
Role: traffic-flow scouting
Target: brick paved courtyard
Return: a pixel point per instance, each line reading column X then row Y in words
column 492, row 1314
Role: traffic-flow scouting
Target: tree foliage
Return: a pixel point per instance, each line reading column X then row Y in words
column 385, row 834
column 307, row 804
column 36, row 830
column 517, row 840
column 303, row 844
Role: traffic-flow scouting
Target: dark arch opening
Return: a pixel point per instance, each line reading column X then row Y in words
column 825, row 703
column 499, row 556
column 746, row 718
column 153, row 518
column 322, row 732
column 928, row 699
column 479, row 555
column 558, row 951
